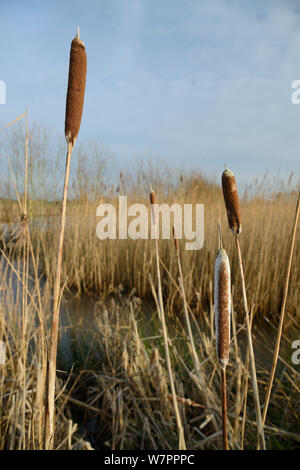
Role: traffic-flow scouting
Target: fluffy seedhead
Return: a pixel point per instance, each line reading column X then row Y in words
column 222, row 300
column 232, row 202
column 76, row 89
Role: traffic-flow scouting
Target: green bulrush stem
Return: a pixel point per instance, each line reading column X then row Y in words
column 224, row 408
column 260, row 429
column 282, row 313
column 50, row 419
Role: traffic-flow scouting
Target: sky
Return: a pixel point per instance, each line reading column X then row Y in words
column 196, row 83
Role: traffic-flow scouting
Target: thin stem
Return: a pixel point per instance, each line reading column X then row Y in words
column 282, row 313
column 260, row 429
column 246, row 387
column 220, row 237
column 25, row 277
column 182, row 445
column 224, row 408
column 26, row 161
column 50, row 424
column 188, row 324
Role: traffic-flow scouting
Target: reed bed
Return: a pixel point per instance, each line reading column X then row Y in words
column 109, row 263
column 113, row 387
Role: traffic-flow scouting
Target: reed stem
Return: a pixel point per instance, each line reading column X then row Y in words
column 224, row 408
column 182, row 444
column 282, row 313
column 260, row 429
column 50, row 418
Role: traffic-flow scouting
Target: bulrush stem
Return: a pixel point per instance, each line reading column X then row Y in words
column 260, row 429
column 26, row 162
column 188, row 324
column 282, row 313
column 224, row 408
column 50, row 421
column 182, row 444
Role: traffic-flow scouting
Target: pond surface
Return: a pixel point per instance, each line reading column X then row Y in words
column 78, row 318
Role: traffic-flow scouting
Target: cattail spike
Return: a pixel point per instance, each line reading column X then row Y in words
column 76, row 89
column 78, row 32
column 153, row 206
column 222, row 300
column 232, row 202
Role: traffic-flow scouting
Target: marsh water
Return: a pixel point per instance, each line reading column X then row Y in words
column 78, row 318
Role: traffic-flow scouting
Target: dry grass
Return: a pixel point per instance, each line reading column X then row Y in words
column 117, row 391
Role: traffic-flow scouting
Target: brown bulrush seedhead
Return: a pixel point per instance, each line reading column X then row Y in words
column 76, row 89
column 231, row 199
column 222, row 306
column 152, row 197
column 153, row 206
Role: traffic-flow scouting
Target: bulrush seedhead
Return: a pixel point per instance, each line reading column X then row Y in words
column 231, row 199
column 222, row 301
column 76, row 89
column 153, row 202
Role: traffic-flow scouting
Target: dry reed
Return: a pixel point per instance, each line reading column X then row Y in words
column 181, row 443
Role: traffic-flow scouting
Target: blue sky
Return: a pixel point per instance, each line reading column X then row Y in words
column 195, row 82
